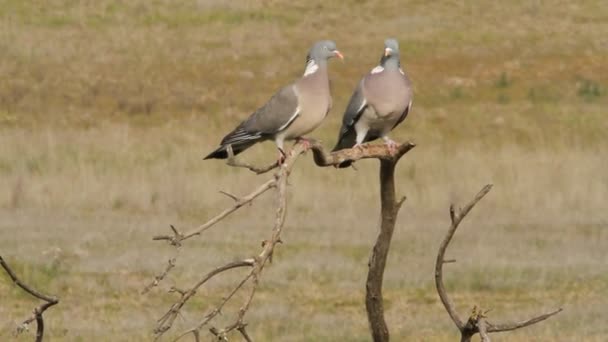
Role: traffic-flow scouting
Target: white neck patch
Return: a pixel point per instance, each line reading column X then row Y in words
column 377, row 69
column 311, row 67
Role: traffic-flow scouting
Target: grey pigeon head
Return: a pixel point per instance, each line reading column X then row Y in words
column 391, row 53
column 323, row 50
column 391, row 46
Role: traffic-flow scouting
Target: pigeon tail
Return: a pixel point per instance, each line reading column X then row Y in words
column 345, row 141
column 222, row 151
column 345, row 164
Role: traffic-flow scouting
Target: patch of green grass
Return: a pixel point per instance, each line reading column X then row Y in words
column 457, row 93
column 503, row 81
column 589, row 90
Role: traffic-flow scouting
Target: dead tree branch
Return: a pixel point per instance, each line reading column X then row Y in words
column 476, row 322
column 365, row 151
column 177, row 237
column 279, row 181
column 377, row 262
column 256, row 264
column 160, row 277
column 39, row 310
column 232, row 161
column 165, row 322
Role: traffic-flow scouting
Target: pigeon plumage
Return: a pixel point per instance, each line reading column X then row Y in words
column 295, row 110
column 381, row 101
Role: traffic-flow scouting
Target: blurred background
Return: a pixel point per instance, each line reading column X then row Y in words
column 107, row 108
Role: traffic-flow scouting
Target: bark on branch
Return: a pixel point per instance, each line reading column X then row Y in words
column 366, row 151
column 476, row 323
column 389, row 159
column 38, row 311
column 377, row 262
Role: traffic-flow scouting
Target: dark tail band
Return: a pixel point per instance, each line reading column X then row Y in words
column 222, row 151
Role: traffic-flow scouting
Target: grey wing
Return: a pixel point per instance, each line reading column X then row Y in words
column 408, row 84
column 404, row 114
column 354, row 109
column 276, row 115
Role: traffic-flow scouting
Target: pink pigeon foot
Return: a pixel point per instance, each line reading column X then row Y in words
column 392, row 145
column 307, row 144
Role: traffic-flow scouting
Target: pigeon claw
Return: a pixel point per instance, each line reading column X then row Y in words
column 307, row 144
column 282, row 157
column 391, row 144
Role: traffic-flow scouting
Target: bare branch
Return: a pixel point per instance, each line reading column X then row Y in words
column 477, row 322
column 160, row 277
column 257, row 264
column 235, row 198
column 39, row 310
column 455, row 218
column 365, row 151
column 174, row 240
column 516, row 325
column 482, row 327
column 165, row 322
column 388, row 214
column 388, row 158
column 177, row 239
column 243, row 332
column 232, row 161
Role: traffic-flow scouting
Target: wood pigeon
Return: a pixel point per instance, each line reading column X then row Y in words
column 381, row 101
column 295, row 110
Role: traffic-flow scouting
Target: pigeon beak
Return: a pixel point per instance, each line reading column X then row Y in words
column 339, row 54
column 387, row 52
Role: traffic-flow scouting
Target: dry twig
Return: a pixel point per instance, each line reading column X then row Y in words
column 365, row 151
column 39, row 310
column 257, row 263
column 477, row 322
column 377, row 262
column 232, row 161
column 160, row 277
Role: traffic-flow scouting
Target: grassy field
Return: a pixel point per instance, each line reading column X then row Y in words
column 107, row 108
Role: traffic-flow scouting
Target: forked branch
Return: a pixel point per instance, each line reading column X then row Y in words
column 257, row 263
column 38, row 311
column 365, row 151
column 232, row 161
column 377, row 262
column 476, row 322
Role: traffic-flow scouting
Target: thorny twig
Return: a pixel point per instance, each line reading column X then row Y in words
column 39, row 310
column 257, row 264
column 477, row 322
column 160, row 277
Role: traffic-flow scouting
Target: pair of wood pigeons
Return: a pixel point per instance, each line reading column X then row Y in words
column 380, row 102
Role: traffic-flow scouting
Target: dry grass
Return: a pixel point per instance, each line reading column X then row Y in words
column 108, row 108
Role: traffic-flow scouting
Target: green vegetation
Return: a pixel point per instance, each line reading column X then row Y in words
column 107, row 107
